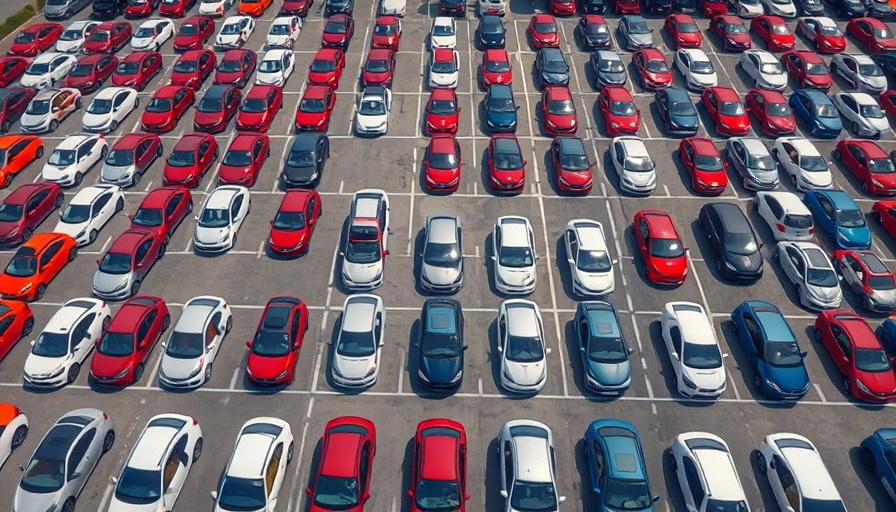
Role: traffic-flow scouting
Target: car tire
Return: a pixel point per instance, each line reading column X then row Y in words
column 4, row 127
column 106, row 322
column 77, row 180
column 166, row 323
column 228, row 326
column 208, row 374
column 162, row 250
column 757, row 382
column 26, row 234
column 760, row 463
column 40, row 151
column 135, row 288
column 72, row 254
column 91, row 237
column 41, row 290
column 119, row 205
column 69, row 505
column 73, row 372
column 136, row 179
column 197, row 451
column 816, row 335
column 108, row 441
column 291, row 451
column 113, row 126
column 866, row 457
column 855, row 128
column 138, row 373
column 672, row 462
column 19, row 436
column 836, row 154
column 27, row 327
column 53, row 125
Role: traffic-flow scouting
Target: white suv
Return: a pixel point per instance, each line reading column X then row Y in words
column 513, row 251
column 528, row 468
column 706, row 473
column 693, row 350
column 522, row 347
column 796, row 474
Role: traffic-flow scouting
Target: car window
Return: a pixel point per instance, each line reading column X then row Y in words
column 675, row 334
column 270, row 474
column 80, row 331
column 755, row 332
column 891, row 460
column 5, row 323
column 693, row 477
column 645, row 229
column 797, row 260
column 79, row 452
column 826, row 206
column 599, row 461
column 365, row 465
column 172, row 463
column 508, row 465
column 49, row 253
column 142, row 251
column 842, row 340
column 787, row 483
column 100, row 203
column 143, row 330
column 857, row 153
column 38, row 198
column 172, row 205
column 775, row 207
column 235, row 206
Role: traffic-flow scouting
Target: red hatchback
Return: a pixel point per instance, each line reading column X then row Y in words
column 125, row 346
column 192, row 157
column 662, row 251
column 17, row 322
column 772, row 112
column 543, row 32
column 11, row 68
column 91, row 71
column 619, row 111
column 807, row 69
column 22, row 211
column 713, row 7
column 872, row 33
column 338, row 31
column 293, row 225
column 386, row 33
column 137, row 69
column 315, row 108
column 440, row 466
column 869, row 163
column 704, row 164
column 193, row 67
column 683, row 30
column 326, row 68
column 726, row 110
column 562, row 7
column 176, row 8
column 235, row 67
column 259, row 107
column 130, row 157
column 140, row 8
column 216, row 108
column 274, row 350
column 885, row 213
column 379, row 68
column 194, row 33
column 109, row 36
column 166, row 107
column 732, row 32
column 164, row 208
column 627, row 6
column 13, row 102
column 35, row 39
column 887, row 100
column 442, row 111
column 558, row 110
column 442, row 163
column 774, row 31
column 496, row 68
column 652, row 66
column 506, row 167
column 342, row 477
column 296, row 7
column 827, row 37
column 572, row 166
column 857, row 354
column 244, row 158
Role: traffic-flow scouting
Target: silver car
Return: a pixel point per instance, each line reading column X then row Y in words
column 442, row 267
column 127, row 262
column 528, row 469
column 359, row 342
column 513, row 253
column 809, row 269
column 880, row 294
column 764, row 70
column 63, row 461
column 62, row 9
column 753, row 162
column 861, row 112
column 194, row 343
column 860, row 72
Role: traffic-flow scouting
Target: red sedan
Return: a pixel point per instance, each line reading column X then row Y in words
column 176, row 8
column 194, row 33
column 259, row 107
column 732, row 32
column 772, row 112
column 542, row 32
column 386, row 33
column 653, row 69
column 293, row 225
column 137, row 69
column 346, row 456
column 124, row 348
column 379, row 68
column 192, row 157
column 13, row 102
column 23, row 210
column 661, row 248
column 572, row 166
column 35, row 39
column 506, row 166
column 773, row 31
column 274, row 350
column 726, row 110
column 627, row 6
column 217, row 107
column 826, row 35
column 109, row 36
column 885, row 213
column 296, row 7
column 315, row 108
column 135, row 149
column 140, row 8
column 442, row 111
column 166, row 107
column 11, row 68
column 440, row 466
column 193, row 67
column 235, row 67
column 441, row 163
column 338, row 31
column 807, row 69
column 619, row 111
column 91, row 71
column 887, row 102
column 683, row 30
column 713, row 7
column 558, row 110
column 164, row 208
column 869, row 164
column 326, row 68
column 496, row 68
column 872, row 33
column 17, row 321
column 562, row 7
column 857, row 354
column 704, row 164
column 244, row 158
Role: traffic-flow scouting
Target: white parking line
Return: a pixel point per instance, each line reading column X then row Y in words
column 820, row 392
column 474, row 88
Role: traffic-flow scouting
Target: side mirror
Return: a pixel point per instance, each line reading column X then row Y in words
column 365, row 497
column 195, row 217
column 500, row 348
column 271, row 221
column 114, row 479
column 582, row 349
column 631, row 350
column 547, row 350
column 140, row 265
column 410, row 493
column 465, row 347
column 309, row 492
column 725, row 355
column 382, row 343
column 656, row 498
column 249, row 344
column 517, row 107
column 804, row 354
column 98, row 262
column 75, row 475
column 467, row 496
column 561, row 499
column 164, row 344
column 571, row 261
column 386, row 252
column 503, row 492
column 342, row 253
column 214, row 495
column 59, row 213
column 771, row 464
column 596, row 490
column 615, row 262
column 33, row 342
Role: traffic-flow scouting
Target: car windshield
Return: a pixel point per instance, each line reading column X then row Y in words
column 372, row 108
column 50, row 344
column 497, row 66
column 127, row 68
column 185, row 345
column 441, row 255
column 825, row 110
column 713, row 505
column 185, row 66
column 10, row 212
column 376, row 66
column 181, row 159
column 850, row 218
column 731, row 108
column 279, row 29
column 384, row 29
column 231, row 28
column 274, row 66
column 38, row 68
column 872, row 360
column 139, row 486
column 556, row 66
column 575, row 162
column 76, row 213
column 62, row 157
column 506, row 161
column 771, row 68
column 881, row 166
column 515, row 257
column 116, row 344
column 115, row 263
column 188, row 29
column 622, row 108
column 144, row 32
column 638, row 164
column 656, row 66
column 702, row 67
column 335, row 27
column 322, row 66
column 595, row 29
column 666, row 248
column 241, row 494
column 211, row 105
column 436, row 345
column 336, row 493
column 229, row 66
column 829, row 30
column 442, row 107
column 815, row 505
column 533, row 496
column 235, row 158
column 443, row 161
column 38, row 107
column 814, row 163
column 443, row 31
column 816, row 68
column 782, row 353
column 881, row 33
column 99, row 106
column 444, row 66
column 258, row 105
column 159, row 105
column 708, row 163
column 491, row 28
column 100, row 37
column 821, row 277
column 561, row 107
column 524, row 349
column 778, row 110
column 437, row 495
column 702, row 356
column 593, row 261
column 627, row 494
column 688, row 28
column 638, row 27
column 546, row 28
column 501, row 105
column 356, row 344
column 148, row 217
column 71, row 35
column 43, row 476
column 214, row 218
column 363, row 251
column 741, row 243
column 683, row 108
column 871, row 111
column 300, row 159
column 870, row 69
column 735, row 28
column 289, row 221
column 81, row 70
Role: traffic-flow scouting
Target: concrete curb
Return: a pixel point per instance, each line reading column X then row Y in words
column 38, row 15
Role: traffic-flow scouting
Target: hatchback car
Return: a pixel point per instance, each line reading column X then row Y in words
column 807, row 69
column 194, row 33
column 551, row 68
column 872, row 33
column 25, row 209
column 521, row 345
column 662, row 251
column 90, row 72
column 342, row 476
column 306, row 159
column 500, row 109
column 357, row 356
column 74, row 157
column 137, row 69
column 235, row 67
column 367, row 240
column 34, row 39
column 773, row 30
column 439, row 480
column 860, row 72
column 235, row 31
column 495, row 68
column 217, row 107
column 89, row 211
column 190, row 160
column 772, row 111
column 22, row 278
column 617, row 472
column 606, row 360
column 166, row 107
column 528, row 467
column 338, row 31
column 49, row 108
column 513, row 254
column 726, row 110
column 192, row 68
column 275, row 347
column 194, row 342
column 763, row 70
column 122, row 269
column 572, row 165
column 440, row 346
column 786, row 215
column 443, row 33
column 109, row 108
column 634, row 168
column 444, row 68
column 152, row 34
column 732, row 239
column 123, row 350
column 677, row 111
column 593, row 32
column 259, row 107
column 706, row 472
column 796, row 473
column 164, row 208
column 379, row 69
column 491, row 32
column 130, row 158
column 442, row 111
column 805, row 165
column 869, row 163
column 869, row 278
column 823, row 32
column 732, row 33
column 386, row 31
column 704, row 165
column 633, row 33
column 542, row 31
column 442, row 163
column 372, row 113
column 839, row 217
column 862, row 113
column 222, row 215
column 683, row 30
column 506, row 166
column 244, row 159
column 442, row 260
column 110, row 37
column 588, row 257
column 857, row 354
column 607, row 69
column 817, row 111
column 808, row 268
column 696, row 69
column 693, row 349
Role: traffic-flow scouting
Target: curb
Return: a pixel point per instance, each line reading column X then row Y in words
column 28, row 22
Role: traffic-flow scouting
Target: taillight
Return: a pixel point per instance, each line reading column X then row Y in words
column 812, row 231
column 105, row 416
column 781, row 227
column 195, row 422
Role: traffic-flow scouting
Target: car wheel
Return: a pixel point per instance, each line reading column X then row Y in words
column 113, row 126
column 794, row 181
column 26, row 234
column 197, row 450
column 760, row 463
column 855, row 128
column 138, row 372
column 108, row 441
column 4, row 127
column 91, row 237
column 290, row 452
column 836, row 154
column 27, row 327
column 816, row 335
column 757, row 382
column 208, row 373
column 69, row 505
column 672, row 462
column 228, row 326
column 53, row 125
column 135, row 288
column 162, row 250
column 78, row 177
column 875, row 215
column 41, row 290
column 159, row 151
column 106, row 322
column 72, row 254
column 119, row 205
column 136, row 179
column 166, row 322
column 73, row 372
column 833, row 69
column 40, row 151
column 190, row 206
column 19, row 436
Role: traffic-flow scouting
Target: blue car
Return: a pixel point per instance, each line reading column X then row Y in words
column 839, row 216
column 886, row 333
column 677, row 111
column 621, row 483
column 500, row 109
column 605, row 355
column 878, row 454
column 818, row 112
column 491, row 32
column 780, row 371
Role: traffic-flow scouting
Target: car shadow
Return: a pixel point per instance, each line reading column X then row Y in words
column 407, row 470
column 600, row 123
column 673, row 489
column 766, row 493
column 875, row 489
column 493, row 499
column 655, row 331
column 586, row 494
column 312, row 471
column 610, row 173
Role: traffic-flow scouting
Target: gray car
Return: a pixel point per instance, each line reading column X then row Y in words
column 124, row 266
column 808, row 268
column 634, row 33
column 442, row 267
column 753, row 162
column 860, row 72
column 63, row 461
column 359, row 341
column 63, row 9
column 608, row 68
column 606, row 360
column 194, row 342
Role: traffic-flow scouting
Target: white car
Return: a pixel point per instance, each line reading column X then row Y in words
column 802, row 161
column 367, row 243
column 444, row 68
column 61, row 349
column 796, row 474
column 633, row 165
column 706, row 473
column 275, row 67
column 696, row 69
column 359, row 341
column 215, row 8
column 256, row 470
column 810, row 270
column 513, row 254
column 372, row 117
column 49, row 108
column 497, row 7
column 48, row 70
column 443, row 33
column 861, row 112
column 109, row 108
column 764, row 69
column 14, row 431
column 393, row 7
column 782, row 8
column 589, row 259
column 819, row 25
column 194, row 342
column 89, row 211
column 860, row 72
column 522, row 347
column 528, row 466
column 234, row 32
column 786, row 215
column 693, row 350
column 73, row 37
column 155, row 471
column 152, row 34
column 284, row 32
column 221, row 217
column 748, row 8
column 73, row 158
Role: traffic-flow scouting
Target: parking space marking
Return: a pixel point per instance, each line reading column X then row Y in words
column 820, row 392
column 233, row 378
column 474, row 88
column 413, row 187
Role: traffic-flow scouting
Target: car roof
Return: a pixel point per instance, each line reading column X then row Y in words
column 131, row 312
column 128, row 241
column 803, row 146
column 159, row 433
column 704, row 146
column 514, row 231
column 443, row 54
column 772, row 322
column 623, row 452
column 618, row 94
column 552, row 54
column 696, row 54
column 572, row 145
column 252, row 446
column 294, row 200
column 789, row 201
column 307, row 141
column 379, row 54
column 839, row 199
column 497, row 54
column 695, row 326
column 88, row 195
column 590, row 235
column 506, row 144
column 343, row 450
column 858, row 329
column 824, row 21
column 807, row 467
column 732, row 218
column 874, row 264
column 323, row 53
column 814, row 254
column 815, row 96
column 275, row 54
column 532, row 441
column 862, row 98
column 65, row 317
column 439, row 455
column 358, row 313
column 444, row 21
column 374, row 92
column 282, row 20
column 500, row 91
column 366, row 203
column 754, row 146
column 718, row 467
column 660, row 224
column 521, row 318
column 442, row 145
column 47, row 94
column 677, row 94
column 74, row 140
column 193, row 318
column 168, row 91
column 234, row 19
column 725, row 94
column 109, row 93
column 490, row 19
column 634, row 147
column 221, row 197
column 46, row 57
column 442, row 229
column 158, row 198
column 137, row 56
column 191, row 141
column 216, row 91
column 244, row 141
column 23, row 192
column 543, row 18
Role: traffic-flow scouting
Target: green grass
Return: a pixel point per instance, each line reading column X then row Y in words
column 18, row 19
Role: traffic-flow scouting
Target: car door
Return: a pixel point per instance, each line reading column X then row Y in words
column 572, row 249
column 506, row 471
column 214, row 334
column 147, row 253
column 784, row 485
column 599, row 467
column 118, row 111
column 237, row 211
column 840, row 348
column 84, row 153
column 174, row 472
column 81, row 338
column 793, row 265
column 38, row 207
column 81, row 461
column 146, row 335
column 827, row 216
column 144, row 155
column 642, row 235
column 675, row 347
column 273, row 475
column 695, row 493
column 172, row 218
column 852, row 272
column 46, row 257
column 311, row 214
column 365, row 470
column 754, row 333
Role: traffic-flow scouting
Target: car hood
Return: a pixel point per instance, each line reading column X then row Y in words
column 683, row 121
column 227, row 38
column 612, row 77
column 789, row 379
column 40, row 366
column 24, row 501
column 183, row 41
column 705, row 379
column 763, row 176
column 355, row 368
column 440, row 275
column 202, row 118
column 107, row 283
column 818, row 179
column 115, row 173
column 287, row 239
column 827, row 295
column 640, row 39
column 774, row 80
column 878, row 382
column 115, row 505
column 362, row 272
column 141, row 42
column 441, row 370
column 276, row 39
column 263, row 367
column 515, row 276
column 640, row 178
column 443, row 78
column 855, row 236
column 109, row 366
column 210, row 235
column 610, row 374
column 501, row 118
column 299, row 173
column 885, row 297
column 56, row 9
column 525, row 374
column 371, row 121
column 7, row 227
column 745, row 262
column 268, row 78
column 233, row 173
column 95, row 120
column 69, row 46
column 33, row 120
column 179, row 369
column 70, row 229
column 595, row 281
column 881, row 124
column 443, row 41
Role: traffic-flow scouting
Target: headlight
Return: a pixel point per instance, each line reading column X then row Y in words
column 123, row 373
column 862, row 387
column 82, row 233
column 769, row 383
column 13, row 232
column 730, row 266
column 876, row 183
column 371, row 370
column 283, row 374
column 688, row 382
column 57, row 373
column 226, row 235
column 507, row 375
column 422, row 376
column 25, row 288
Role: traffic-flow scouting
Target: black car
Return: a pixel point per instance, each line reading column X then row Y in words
column 440, row 348
column 811, row 7
column 849, row 8
column 608, row 68
column 551, row 68
column 879, row 9
column 593, row 32
column 886, row 61
column 733, row 240
column 492, row 33
column 677, row 111
column 684, row 6
column 500, row 109
column 594, row 6
column 659, row 6
column 108, row 9
column 453, row 7
column 337, row 6
column 306, row 160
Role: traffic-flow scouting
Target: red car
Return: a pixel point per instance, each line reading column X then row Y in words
column 176, row 8
column 440, row 465
column 193, row 67
column 91, row 71
column 857, row 354
column 134, row 252
column 235, row 67
column 627, row 6
column 713, row 7
column 572, row 166
column 194, row 33
column 885, row 213
column 773, row 31
column 442, row 111
column 296, row 7
column 216, row 108
column 872, row 33
column 732, row 32
column 140, row 8
column 137, row 69
column 35, row 39
column 379, row 68
column 726, row 110
column 558, row 110
column 619, row 111
column 867, row 276
column 315, row 108
column 562, row 7
column 274, row 350
column 346, row 456
column 166, row 107
column 192, row 157
column 826, row 36
column 338, row 31
column 543, row 32
column 164, row 208
column 135, row 149
column 652, row 66
column 293, row 225
column 869, row 164
column 506, row 167
column 13, row 102
column 807, row 69
column 663, row 253
column 244, row 158
column 386, row 33
column 442, row 162
column 772, row 112
column 23, row 210
column 109, row 36
column 704, row 164
column 683, row 30
column 496, row 68
column 887, row 102
column 124, row 348
column 259, row 107
column 16, row 323
column 326, row 68
column 11, row 68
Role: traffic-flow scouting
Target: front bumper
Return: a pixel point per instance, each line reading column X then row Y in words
column 46, row 382
column 360, row 285
column 518, row 388
column 213, row 247
column 367, row 381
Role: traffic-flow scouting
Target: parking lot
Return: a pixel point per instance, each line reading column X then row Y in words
column 247, row 276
